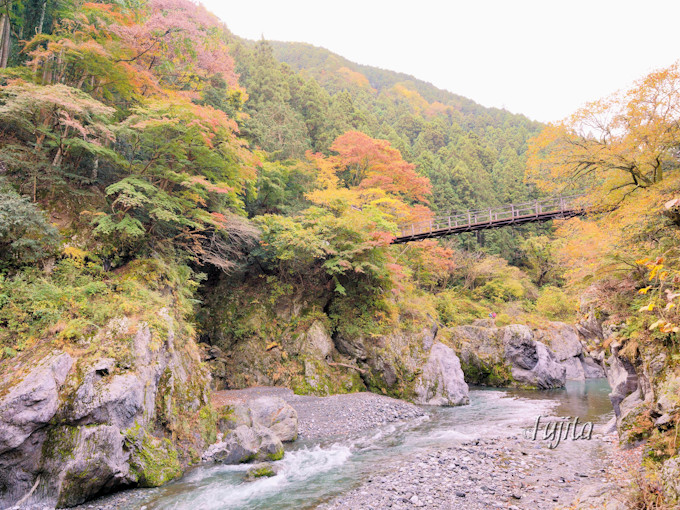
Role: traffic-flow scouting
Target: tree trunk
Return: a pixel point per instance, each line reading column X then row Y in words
column 39, row 28
column 4, row 38
column 95, row 170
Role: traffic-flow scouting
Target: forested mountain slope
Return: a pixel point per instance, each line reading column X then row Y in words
column 473, row 156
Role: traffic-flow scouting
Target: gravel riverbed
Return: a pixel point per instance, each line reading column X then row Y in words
column 336, row 415
column 499, row 473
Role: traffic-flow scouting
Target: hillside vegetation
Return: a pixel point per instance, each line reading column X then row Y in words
column 139, row 133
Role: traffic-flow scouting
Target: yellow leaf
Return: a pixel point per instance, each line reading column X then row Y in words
column 654, row 271
column 641, row 262
column 272, row 345
column 656, row 325
column 644, row 291
column 663, row 275
column 647, row 308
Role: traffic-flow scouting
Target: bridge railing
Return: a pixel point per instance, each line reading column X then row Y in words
column 502, row 214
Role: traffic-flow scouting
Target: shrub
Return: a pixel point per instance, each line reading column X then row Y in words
column 25, row 235
column 501, row 290
column 555, row 304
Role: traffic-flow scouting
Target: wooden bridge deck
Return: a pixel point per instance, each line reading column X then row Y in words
column 472, row 221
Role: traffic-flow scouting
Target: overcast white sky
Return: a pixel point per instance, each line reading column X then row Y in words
column 541, row 58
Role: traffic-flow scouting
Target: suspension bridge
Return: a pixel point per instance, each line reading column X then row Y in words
column 472, row 221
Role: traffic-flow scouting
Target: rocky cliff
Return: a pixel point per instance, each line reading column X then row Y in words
column 80, row 421
column 645, row 394
column 517, row 355
column 265, row 337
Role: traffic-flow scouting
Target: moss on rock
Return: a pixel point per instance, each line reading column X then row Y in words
column 153, row 461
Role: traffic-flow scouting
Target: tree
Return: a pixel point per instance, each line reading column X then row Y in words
column 180, row 44
column 616, row 145
column 63, row 126
column 5, row 32
column 368, row 163
column 186, row 171
column 279, row 130
column 541, row 261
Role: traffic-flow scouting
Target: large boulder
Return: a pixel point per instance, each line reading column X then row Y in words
column 245, row 444
column 670, row 476
column 317, row 342
column 622, row 378
column 238, row 446
column 31, row 403
column 442, row 382
column 275, row 414
column 494, row 356
column 28, row 406
column 592, row 369
column 605, row 496
column 389, row 363
column 533, row 364
column 565, row 341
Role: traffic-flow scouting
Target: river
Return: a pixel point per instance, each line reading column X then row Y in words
column 313, row 472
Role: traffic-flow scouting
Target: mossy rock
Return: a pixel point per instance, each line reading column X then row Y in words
column 276, row 456
column 485, row 373
column 260, row 471
column 636, row 425
column 153, row 461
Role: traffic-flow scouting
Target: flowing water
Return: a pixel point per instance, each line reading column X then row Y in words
column 312, row 472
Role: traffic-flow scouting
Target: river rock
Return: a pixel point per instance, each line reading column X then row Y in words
column 599, row 496
column 533, row 364
column 269, row 445
column 275, row 414
column 506, row 356
column 244, row 444
column 565, row 341
column 239, row 446
column 670, row 475
column 442, row 381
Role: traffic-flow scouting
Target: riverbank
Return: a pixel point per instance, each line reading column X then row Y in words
column 370, row 451
column 332, row 416
column 494, row 473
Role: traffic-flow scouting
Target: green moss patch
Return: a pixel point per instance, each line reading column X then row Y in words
column 153, row 461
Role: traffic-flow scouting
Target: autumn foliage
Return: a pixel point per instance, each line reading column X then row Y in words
column 368, row 163
column 614, row 146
